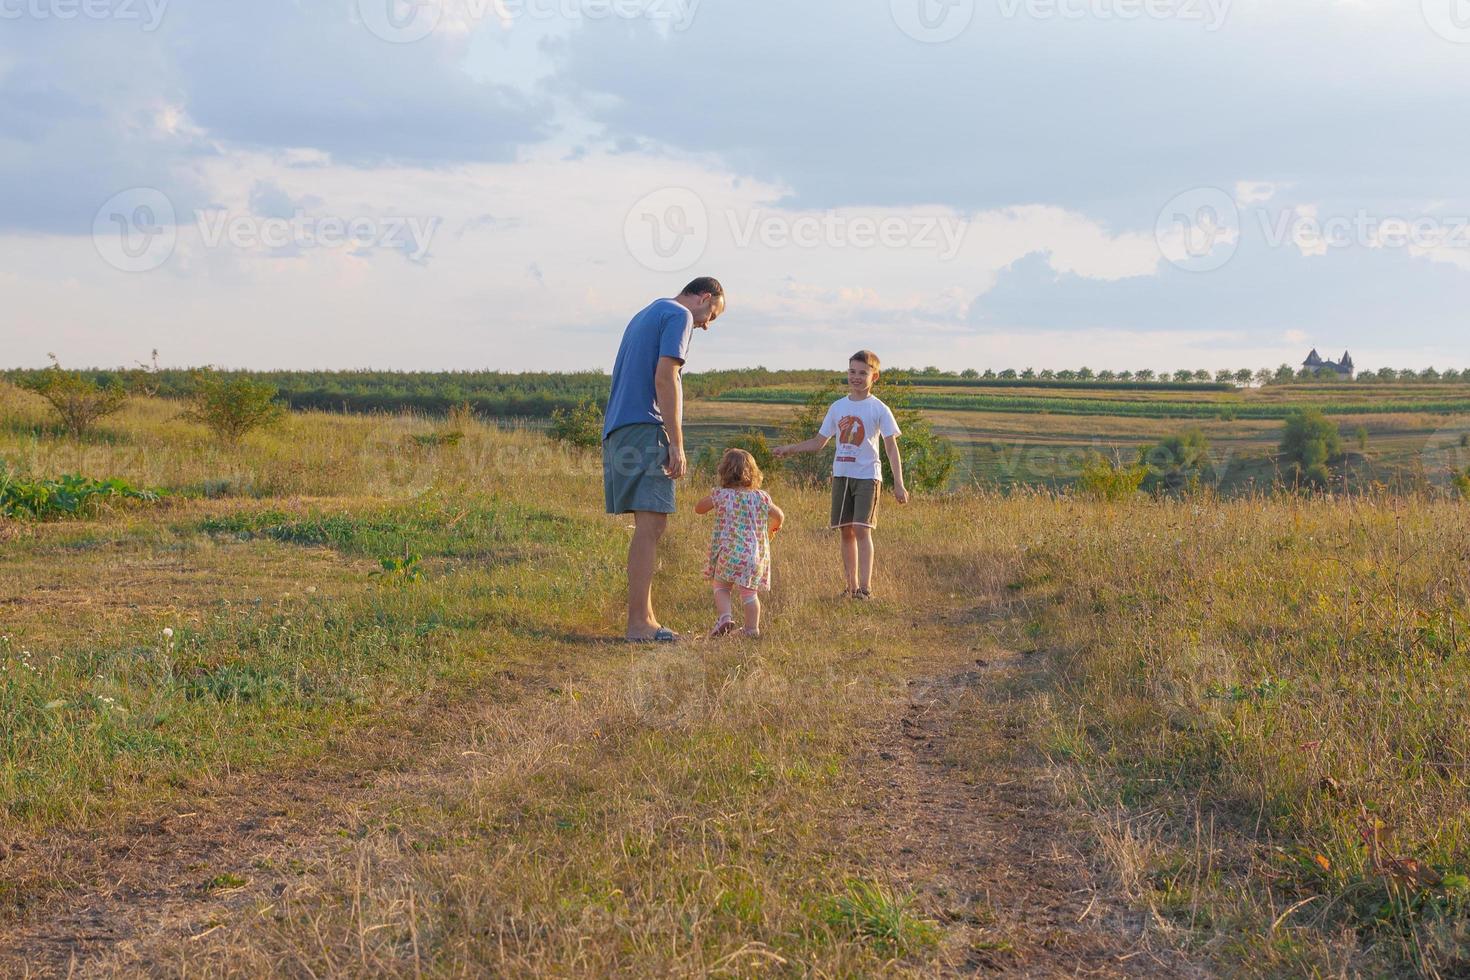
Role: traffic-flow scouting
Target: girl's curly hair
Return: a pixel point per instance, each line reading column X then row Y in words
column 738, row 471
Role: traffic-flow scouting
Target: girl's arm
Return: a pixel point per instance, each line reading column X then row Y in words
column 814, row 444
column 778, row 517
column 890, row 446
column 705, row 505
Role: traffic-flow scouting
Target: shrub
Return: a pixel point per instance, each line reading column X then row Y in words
column 460, row 418
column 580, row 426
column 753, row 441
column 1461, row 481
column 79, row 401
column 1309, row 443
column 1176, row 462
column 70, row 496
column 810, row 468
column 1105, row 479
column 928, row 458
column 232, row 406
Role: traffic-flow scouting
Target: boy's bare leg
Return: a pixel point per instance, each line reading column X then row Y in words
column 753, row 614
column 864, row 545
column 850, row 556
column 642, row 558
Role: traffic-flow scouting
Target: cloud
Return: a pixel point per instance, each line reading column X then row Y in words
column 997, row 195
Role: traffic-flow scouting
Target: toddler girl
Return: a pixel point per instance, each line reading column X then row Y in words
column 740, row 548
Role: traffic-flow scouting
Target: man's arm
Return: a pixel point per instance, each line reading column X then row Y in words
column 814, row 444
column 895, row 462
column 669, row 389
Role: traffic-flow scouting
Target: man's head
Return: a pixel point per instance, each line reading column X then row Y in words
column 862, row 372
column 705, row 298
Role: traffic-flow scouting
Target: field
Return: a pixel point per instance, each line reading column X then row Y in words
column 1042, row 436
column 348, row 700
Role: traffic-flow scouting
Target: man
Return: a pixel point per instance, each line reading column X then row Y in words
column 643, row 435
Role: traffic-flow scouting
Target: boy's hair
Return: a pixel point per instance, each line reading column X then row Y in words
column 738, row 471
column 868, row 358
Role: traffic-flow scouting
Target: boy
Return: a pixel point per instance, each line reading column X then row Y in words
column 857, row 421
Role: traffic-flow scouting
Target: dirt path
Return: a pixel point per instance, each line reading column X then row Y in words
column 970, row 823
column 953, row 807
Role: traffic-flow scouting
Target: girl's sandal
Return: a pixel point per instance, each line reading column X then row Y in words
column 751, row 635
column 723, row 627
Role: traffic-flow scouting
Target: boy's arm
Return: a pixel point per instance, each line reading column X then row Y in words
column 705, row 505
column 778, row 517
column 895, row 461
column 812, row 445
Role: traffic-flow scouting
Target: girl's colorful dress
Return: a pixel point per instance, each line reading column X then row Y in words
column 740, row 548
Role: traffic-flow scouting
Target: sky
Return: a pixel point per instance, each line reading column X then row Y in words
column 502, row 184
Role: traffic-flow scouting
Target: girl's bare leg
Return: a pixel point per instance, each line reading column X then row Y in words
column 752, row 614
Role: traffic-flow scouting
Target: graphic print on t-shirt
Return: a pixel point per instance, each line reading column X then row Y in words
column 850, row 435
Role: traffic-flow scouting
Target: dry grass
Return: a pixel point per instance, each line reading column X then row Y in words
column 1234, row 691
column 1259, row 698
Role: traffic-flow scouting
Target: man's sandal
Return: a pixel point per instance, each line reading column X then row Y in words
column 661, row 636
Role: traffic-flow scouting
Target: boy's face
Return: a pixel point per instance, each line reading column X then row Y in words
column 860, row 377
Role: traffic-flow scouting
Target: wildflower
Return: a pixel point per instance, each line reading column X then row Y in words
column 168, row 632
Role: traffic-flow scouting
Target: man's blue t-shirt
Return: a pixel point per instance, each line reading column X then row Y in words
column 662, row 329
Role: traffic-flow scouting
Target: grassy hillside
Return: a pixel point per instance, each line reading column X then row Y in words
column 1254, row 705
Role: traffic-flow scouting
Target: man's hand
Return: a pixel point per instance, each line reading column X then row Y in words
column 678, row 466
column 901, row 494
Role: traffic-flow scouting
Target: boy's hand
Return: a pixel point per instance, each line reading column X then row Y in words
column 901, row 494
column 781, row 451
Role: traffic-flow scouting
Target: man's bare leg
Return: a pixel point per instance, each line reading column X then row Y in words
column 642, row 559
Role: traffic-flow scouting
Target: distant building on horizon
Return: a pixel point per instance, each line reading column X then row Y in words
column 1344, row 367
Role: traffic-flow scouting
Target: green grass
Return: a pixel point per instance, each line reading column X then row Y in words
column 263, row 678
column 874, row 914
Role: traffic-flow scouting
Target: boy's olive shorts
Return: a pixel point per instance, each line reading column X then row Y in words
column 855, row 502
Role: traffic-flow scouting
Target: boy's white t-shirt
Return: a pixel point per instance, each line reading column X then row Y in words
column 857, row 427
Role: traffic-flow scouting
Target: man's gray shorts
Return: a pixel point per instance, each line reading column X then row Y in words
column 633, row 477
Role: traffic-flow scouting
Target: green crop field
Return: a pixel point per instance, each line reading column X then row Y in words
column 1402, row 435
